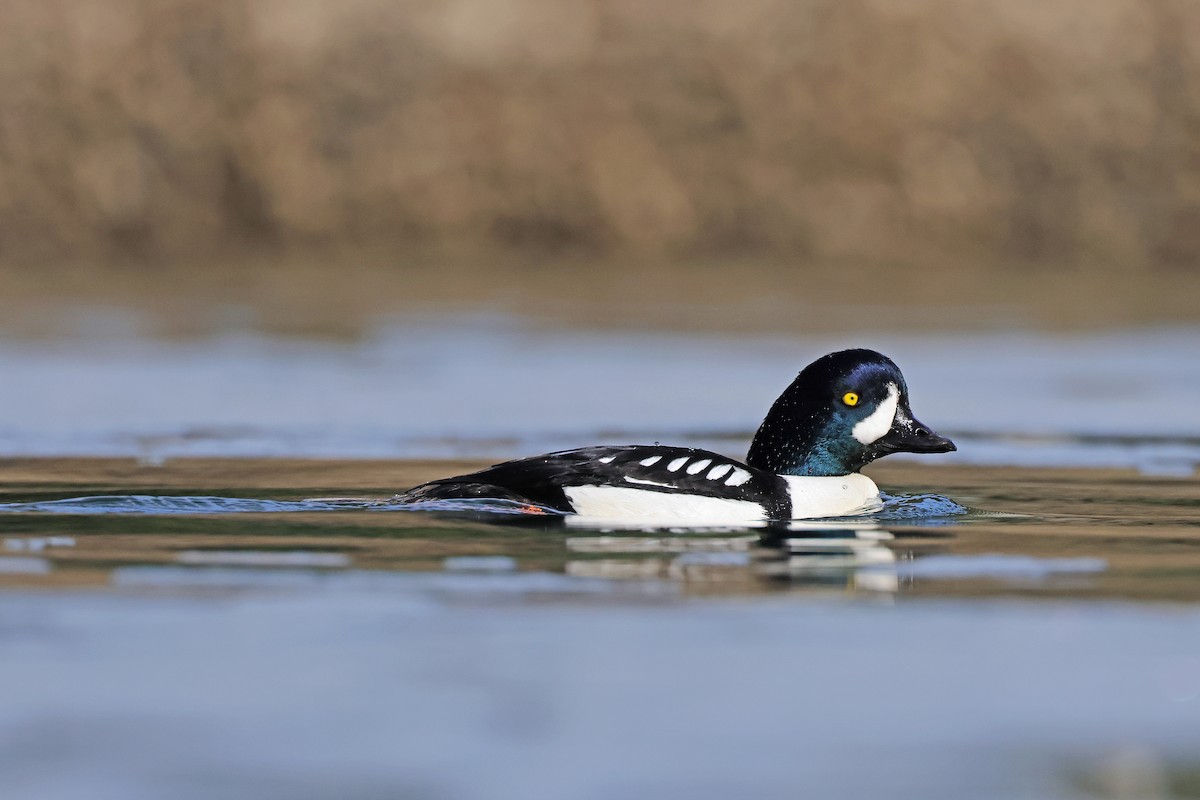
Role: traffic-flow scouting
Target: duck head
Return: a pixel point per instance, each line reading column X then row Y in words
column 841, row 412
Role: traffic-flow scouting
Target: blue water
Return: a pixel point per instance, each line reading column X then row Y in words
column 1013, row 634
column 497, row 388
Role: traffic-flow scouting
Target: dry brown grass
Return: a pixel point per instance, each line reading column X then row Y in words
column 820, row 132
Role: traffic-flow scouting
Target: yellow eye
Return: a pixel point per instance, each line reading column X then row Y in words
column 850, row 399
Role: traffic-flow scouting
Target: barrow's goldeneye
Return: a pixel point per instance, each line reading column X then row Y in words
column 842, row 412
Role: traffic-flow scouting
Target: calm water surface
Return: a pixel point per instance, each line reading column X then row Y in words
column 995, row 632
column 1012, row 625
column 944, row 531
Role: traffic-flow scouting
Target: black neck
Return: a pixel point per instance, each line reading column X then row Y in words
column 786, row 442
column 800, row 435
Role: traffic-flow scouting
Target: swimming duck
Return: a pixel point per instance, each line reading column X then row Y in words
column 842, row 412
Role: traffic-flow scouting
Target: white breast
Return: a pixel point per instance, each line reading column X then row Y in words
column 835, row 496
column 626, row 504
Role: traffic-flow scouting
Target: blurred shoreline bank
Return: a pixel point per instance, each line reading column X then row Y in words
column 1035, row 143
column 347, row 295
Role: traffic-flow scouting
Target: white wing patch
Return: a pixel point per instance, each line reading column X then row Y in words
column 648, row 483
column 651, row 461
column 677, row 463
column 608, row 459
column 880, row 421
column 717, row 471
column 629, row 504
column 738, row 477
column 699, row 465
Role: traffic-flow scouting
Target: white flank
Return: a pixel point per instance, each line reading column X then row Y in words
column 834, row 496
column 699, row 465
column 651, row 461
column 607, row 459
column 717, row 471
column 738, row 477
column 677, row 463
column 624, row 503
column 648, row 483
column 880, row 422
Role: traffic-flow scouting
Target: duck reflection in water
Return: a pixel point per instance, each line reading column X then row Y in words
column 829, row 555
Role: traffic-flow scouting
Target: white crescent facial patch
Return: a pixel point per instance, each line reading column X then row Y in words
column 880, row 421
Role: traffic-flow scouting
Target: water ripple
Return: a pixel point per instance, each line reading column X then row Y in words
column 925, row 507
column 154, row 504
column 189, row 504
column 928, row 507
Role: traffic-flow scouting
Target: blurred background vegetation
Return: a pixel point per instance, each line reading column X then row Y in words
column 1025, row 161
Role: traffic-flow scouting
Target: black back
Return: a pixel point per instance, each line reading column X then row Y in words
column 541, row 479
